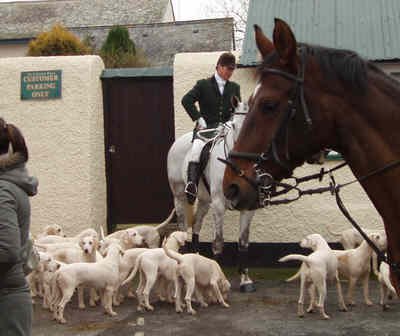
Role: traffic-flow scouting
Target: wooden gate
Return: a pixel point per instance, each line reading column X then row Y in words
column 139, row 130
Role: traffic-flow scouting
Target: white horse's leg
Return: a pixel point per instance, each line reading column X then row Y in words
column 179, row 202
column 218, row 209
column 202, row 208
column 246, row 284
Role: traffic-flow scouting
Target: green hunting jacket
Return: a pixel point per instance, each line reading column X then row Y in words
column 214, row 107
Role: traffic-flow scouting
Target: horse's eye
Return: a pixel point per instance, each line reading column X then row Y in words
column 268, row 106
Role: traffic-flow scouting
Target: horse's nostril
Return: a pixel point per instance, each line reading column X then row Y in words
column 232, row 191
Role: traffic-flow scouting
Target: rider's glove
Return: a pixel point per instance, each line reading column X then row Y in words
column 201, row 123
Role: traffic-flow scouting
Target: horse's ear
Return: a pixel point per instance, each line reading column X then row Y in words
column 285, row 42
column 235, row 101
column 264, row 45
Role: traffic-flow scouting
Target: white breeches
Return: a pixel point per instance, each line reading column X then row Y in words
column 195, row 152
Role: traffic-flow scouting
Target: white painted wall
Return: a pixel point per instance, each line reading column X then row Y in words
column 283, row 223
column 65, row 138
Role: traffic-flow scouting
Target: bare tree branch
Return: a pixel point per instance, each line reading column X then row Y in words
column 237, row 9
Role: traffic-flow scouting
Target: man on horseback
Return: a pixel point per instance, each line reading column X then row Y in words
column 213, row 96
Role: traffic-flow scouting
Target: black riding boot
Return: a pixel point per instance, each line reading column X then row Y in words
column 195, row 243
column 192, row 182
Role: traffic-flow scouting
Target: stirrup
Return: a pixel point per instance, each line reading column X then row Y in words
column 190, row 194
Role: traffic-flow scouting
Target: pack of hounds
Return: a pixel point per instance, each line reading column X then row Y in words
column 105, row 266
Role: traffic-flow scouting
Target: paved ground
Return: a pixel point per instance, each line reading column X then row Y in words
column 269, row 311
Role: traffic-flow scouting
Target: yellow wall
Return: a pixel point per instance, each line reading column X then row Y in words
column 65, row 138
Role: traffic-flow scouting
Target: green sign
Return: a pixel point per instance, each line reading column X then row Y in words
column 41, row 84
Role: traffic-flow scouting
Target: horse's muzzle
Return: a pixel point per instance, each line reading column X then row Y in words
column 242, row 199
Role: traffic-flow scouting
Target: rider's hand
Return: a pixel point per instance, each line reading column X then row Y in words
column 201, row 123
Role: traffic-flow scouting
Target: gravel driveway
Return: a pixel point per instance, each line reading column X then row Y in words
column 271, row 310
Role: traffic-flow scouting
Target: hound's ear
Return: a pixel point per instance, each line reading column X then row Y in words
column 81, row 242
column 285, row 42
column 96, row 243
column 181, row 238
column 235, row 101
column 126, row 238
column 264, row 45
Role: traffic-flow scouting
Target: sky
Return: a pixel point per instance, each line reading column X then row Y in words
column 184, row 9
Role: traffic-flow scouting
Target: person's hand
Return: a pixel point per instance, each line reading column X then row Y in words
column 201, row 123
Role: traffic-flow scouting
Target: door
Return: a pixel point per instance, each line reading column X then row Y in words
column 139, row 128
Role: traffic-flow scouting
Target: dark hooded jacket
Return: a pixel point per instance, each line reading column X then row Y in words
column 15, row 188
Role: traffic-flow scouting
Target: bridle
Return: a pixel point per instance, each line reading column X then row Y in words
column 263, row 182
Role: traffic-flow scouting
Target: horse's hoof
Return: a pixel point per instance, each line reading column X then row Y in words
column 247, row 288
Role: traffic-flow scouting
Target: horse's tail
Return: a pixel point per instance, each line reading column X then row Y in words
column 294, row 276
column 172, row 254
column 335, row 233
column 167, row 221
column 189, row 214
column 300, row 257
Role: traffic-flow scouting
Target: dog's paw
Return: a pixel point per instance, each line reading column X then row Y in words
column 369, row 303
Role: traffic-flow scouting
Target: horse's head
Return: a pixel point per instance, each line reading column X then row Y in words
column 280, row 131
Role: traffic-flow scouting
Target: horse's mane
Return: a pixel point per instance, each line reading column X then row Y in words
column 339, row 64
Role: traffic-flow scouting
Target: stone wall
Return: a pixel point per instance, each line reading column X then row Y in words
column 161, row 41
column 65, row 138
column 283, row 223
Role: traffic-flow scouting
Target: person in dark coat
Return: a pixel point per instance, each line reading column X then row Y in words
column 15, row 188
column 213, row 96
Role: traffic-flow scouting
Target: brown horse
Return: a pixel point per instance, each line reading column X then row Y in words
column 309, row 98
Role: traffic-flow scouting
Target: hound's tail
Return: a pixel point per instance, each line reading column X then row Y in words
column 172, row 254
column 102, row 236
column 300, row 257
column 134, row 271
column 335, row 233
column 167, row 221
column 294, row 276
column 386, row 279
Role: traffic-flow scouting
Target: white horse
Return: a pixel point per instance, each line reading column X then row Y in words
column 213, row 173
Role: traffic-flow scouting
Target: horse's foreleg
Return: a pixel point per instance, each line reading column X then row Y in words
column 179, row 203
column 202, row 209
column 218, row 209
column 246, row 284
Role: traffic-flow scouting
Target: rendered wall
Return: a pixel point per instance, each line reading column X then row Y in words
column 65, row 138
column 283, row 223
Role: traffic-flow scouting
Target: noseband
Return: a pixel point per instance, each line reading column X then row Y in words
column 264, row 183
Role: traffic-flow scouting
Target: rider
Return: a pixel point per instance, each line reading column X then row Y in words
column 213, row 96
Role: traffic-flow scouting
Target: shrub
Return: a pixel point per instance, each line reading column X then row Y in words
column 118, row 42
column 119, row 51
column 56, row 42
column 125, row 60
